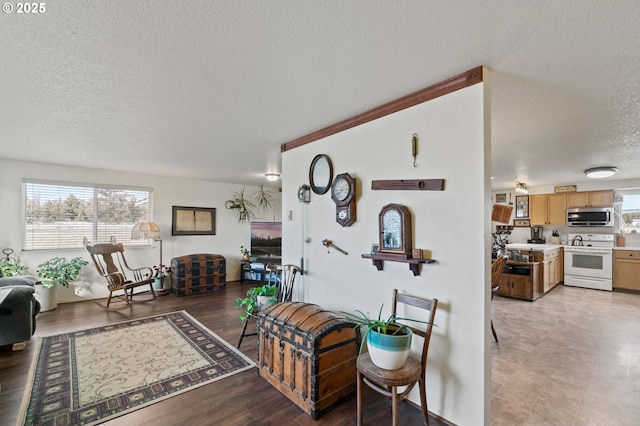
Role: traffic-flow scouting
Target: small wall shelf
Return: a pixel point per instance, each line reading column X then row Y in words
column 414, row 264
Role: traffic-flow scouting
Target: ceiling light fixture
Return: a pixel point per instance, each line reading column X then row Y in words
column 522, row 188
column 272, row 177
column 601, row 172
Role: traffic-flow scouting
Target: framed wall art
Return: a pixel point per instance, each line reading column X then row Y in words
column 521, row 223
column 193, row 221
column 522, row 206
column 501, row 197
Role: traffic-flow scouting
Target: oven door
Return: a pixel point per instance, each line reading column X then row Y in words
column 591, row 268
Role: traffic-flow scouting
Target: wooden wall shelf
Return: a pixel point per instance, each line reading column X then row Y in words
column 414, row 264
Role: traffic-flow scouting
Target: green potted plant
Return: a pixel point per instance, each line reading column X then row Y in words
column 246, row 254
column 257, row 298
column 57, row 271
column 9, row 268
column 245, row 206
column 388, row 342
column 60, row 271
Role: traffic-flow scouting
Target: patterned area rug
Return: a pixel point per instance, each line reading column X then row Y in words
column 90, row 376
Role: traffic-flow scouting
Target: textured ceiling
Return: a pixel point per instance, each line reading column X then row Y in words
column 210, row 89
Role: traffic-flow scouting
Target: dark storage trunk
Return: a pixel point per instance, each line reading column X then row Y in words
column 198, row 273
column 308, row 354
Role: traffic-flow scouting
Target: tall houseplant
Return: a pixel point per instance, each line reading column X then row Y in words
column 388, row 341
column 57, row 271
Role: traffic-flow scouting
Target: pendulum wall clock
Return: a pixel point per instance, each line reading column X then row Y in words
column 343, row 193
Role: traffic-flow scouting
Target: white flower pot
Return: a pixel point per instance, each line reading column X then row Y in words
column 263, row 302
column 388, row 351
column 47, row 297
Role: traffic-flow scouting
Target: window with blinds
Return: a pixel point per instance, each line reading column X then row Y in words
column 63, row 215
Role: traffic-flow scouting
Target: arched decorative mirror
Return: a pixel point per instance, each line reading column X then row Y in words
column 320, row 174
column 395, row 229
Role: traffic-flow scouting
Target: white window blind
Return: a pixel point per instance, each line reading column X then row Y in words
column 61, row 215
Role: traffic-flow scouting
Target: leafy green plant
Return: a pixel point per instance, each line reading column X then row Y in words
column 384, row 326
column 250, row 303
column 245, row 251
column 245, row 206
column 60, row 271
column 10, row 268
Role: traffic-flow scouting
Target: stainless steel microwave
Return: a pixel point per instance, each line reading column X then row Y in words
column 590, row 216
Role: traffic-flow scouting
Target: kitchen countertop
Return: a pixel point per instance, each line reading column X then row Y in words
column 627, row 248
column 533, row 247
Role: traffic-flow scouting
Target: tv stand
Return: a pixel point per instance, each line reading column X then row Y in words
column 256, row 271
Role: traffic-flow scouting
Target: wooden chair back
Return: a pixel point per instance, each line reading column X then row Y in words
column 287, row 279
column 422, row 303
column 282, row 276
column 111, row 264
column 497, row 266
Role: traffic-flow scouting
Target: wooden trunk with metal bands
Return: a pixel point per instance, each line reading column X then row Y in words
column 309, row 354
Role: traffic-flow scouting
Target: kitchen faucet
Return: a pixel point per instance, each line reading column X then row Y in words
column 576, row 239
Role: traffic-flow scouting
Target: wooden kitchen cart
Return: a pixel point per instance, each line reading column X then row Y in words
column 520, row 280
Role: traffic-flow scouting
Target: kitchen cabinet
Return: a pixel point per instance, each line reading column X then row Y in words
column 551, row 265
column 590, row 199
column 520, row 280
column 548, row 209
column 560, row 267
column 626, row 270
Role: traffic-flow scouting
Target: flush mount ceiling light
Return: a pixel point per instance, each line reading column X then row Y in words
column 522, row 188
column 601, row 172
column 272, row 177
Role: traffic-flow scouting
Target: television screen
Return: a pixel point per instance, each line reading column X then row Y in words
column 266, row 240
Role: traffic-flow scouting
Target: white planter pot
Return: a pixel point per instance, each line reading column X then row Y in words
column 263, row 302
column 388, row 351
column 47, row 297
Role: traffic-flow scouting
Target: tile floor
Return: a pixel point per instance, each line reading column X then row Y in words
column 570, row 358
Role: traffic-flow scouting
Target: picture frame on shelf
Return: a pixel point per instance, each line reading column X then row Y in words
column 521, row 223
column 375, row 247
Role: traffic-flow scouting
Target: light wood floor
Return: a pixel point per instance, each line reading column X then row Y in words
column 570, row 358
column 242, row 399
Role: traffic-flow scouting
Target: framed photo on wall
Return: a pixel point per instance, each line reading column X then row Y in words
column 521, row 223
column 193, row 221
column 522, row 206
column 501, row 197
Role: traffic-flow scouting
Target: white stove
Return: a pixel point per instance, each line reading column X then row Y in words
column 588, row 261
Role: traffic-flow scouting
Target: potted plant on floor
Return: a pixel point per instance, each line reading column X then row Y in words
column 388, row 342
column 57, row 271
column 257, row 298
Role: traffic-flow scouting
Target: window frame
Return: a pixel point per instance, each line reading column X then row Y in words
column 626, row 192
column 97, row 233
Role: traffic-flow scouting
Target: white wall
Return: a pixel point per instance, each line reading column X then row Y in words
column 167, row 192
column 452, row 224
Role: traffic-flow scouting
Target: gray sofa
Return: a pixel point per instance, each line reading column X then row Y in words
column 18, row 310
